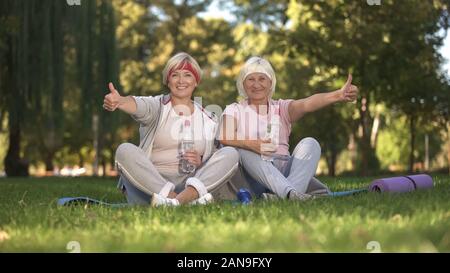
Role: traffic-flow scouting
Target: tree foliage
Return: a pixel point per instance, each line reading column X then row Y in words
column 56, row 61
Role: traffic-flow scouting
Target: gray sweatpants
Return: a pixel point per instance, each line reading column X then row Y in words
column 140, row 177
column 282, row 176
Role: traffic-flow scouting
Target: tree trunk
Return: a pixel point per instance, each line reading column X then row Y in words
column 49, row 163
column 113, row 159
column 103, row 166
column 365, row 136
column 427, row 153
column 14, row 165
column 448, row 146
column 375, row 130
column 95, row 144
column 412, row 140
column 332, row 163
column 80, row 159
column 352, row 150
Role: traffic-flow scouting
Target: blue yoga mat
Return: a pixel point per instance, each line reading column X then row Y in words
column 345, row 193
column 67, row 201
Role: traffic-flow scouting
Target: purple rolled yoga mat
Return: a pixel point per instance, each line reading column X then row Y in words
column 402, row 183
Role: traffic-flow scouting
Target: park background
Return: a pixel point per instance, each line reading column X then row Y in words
column 56, row 58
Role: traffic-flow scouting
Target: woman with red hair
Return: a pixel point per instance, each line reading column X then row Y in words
column 151, row 173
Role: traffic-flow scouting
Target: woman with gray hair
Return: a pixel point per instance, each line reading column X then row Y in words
column 177, row 161
column 259, row 127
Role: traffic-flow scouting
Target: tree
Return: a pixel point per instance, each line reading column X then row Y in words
column 97, row 65
column 33, row 88
column 31, row 85
column 384, row 42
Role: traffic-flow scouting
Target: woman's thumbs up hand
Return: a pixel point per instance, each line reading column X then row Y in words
column 349, row 92
column 112, row 99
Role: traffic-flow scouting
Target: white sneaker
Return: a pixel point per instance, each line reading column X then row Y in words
column 294, row 195
column 320, row 193
column 205, row 199
column 159, row 200
column 270, row 196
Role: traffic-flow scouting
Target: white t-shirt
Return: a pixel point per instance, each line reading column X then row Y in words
column 165, row 153
column 253, row 126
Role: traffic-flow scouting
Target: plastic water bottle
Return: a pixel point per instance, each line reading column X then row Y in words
column 273, row 133
column 264, row 146
column 187, row 144
column 244, row 196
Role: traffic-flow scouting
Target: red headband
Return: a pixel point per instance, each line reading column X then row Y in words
column 185, row 65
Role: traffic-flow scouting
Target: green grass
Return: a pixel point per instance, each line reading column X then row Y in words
column 30, row 221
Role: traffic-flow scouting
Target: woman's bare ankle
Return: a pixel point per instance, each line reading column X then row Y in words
column 172, row 194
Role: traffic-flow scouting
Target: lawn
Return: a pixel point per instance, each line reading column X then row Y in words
column 31, row 221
